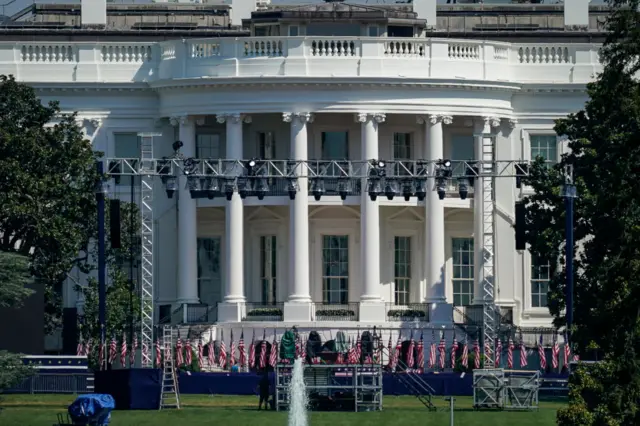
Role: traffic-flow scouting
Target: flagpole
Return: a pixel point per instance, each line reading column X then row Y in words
column 102, row 290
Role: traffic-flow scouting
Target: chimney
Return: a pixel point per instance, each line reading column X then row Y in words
column 93, row 12
column 426, row 9
column 576, row 14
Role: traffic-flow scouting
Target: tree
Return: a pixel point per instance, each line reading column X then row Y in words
column 14, row 277
column 605, row 154
column 47, row 180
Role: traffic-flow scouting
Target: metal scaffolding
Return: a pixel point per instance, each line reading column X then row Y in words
column 220, row 177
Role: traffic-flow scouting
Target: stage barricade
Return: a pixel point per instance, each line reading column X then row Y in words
column 132, row 389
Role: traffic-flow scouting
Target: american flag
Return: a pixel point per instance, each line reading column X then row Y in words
column 555, row 352
column 340, row 358
column 352, row 357
column 298, row 346
column 232, row 352
column 167, row 350
column 465, row 354
column 113, row 350
column 101, row 355
column 222, row 356
column 567, row 351
column 432, row 351
column 134, row 348
column 200, row 354
column 420, row 362
column 523, row 354
column 263, row 350
column 510, row 354
column 454, row 351
column 179, row 356
column 158, row 354
column 542, row 355
column 243, row 350
column 252, row 351
column 390, row 350
column 188, row 353
column 498, row 353
column 476, row 354
column 398, row 352
column 273, row 356
column 87, row 348
column 145, row 351
column 123, row 351
column 410, row 359
column 211, row 351
column 487, row 353
column 358, row 349
column 303, row 351
column 442, row 347
column 80, row 347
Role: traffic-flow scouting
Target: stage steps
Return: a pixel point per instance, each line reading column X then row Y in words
column 170, row 394
column 414, row 383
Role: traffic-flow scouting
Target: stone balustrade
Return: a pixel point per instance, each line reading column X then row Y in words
column 315, row 57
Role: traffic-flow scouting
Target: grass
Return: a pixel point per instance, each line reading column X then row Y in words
column 37, row 410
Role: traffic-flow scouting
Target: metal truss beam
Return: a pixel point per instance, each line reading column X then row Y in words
column 318, row 169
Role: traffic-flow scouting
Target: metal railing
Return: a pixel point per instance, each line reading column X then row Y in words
column 72, row 383
column 263, row 311
column 335, row 312
column 411, row 312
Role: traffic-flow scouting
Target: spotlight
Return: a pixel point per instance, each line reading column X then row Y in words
column 522, row 170
column 344, row 187
column 441, row 188
column 390, row 189
column 114, row 169
column 471, row 173
column 317, row 188
column 463, row 187
column 177, row 145
column 444, row 167
column 163, row 168
column 211, row 186
column 229, row 188
column 193, row 183
column 170, row 185
column 374, row 188
column 244, row 187
column 407, row 189
column 292, row 188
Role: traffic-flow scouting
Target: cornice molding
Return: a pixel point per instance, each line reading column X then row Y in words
column 363, row 117
column 233, row 117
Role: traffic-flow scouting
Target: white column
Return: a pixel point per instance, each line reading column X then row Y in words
column 434, row 211
column 483, row 152
column 234, row 226
column 187, row 219
column 371, row 304
column 298, row 305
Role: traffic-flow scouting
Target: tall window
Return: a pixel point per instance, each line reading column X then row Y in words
column 402, row 269
column 209, row 277
column 268, row 267
column 335, row 269
column 266, row 146
column 462, row 249
column 540, row 277
column 208, row 146
column 545, row 146
column 402, row 146
column 462, row 148
column 335, row 145
column 126, row 145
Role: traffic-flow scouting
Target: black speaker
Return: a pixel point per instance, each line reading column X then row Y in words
column 70, row 331
column 114, row 223
column 521, row 243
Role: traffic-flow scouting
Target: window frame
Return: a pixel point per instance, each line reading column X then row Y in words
column 221, row 147
column 453, row 279
column 220, row 263
column 349, row 248
column 532, row 280
column 125, row 181
column 411, row 266
column 274, row 268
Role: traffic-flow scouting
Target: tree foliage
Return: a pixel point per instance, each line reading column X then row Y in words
column 47, row 179
column 605, row 154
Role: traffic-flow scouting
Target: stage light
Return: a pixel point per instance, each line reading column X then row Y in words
column 211, row 186
column 193, row 183
column 292, row 187
column 252, row 163
column 441, row 188
column 190, row 166
column 444, row 167
column 390, row 189
column 463, row 187
column 344, row 187
column 471, row 173
column 408, row 189
column 177, row 145
column 522, row 170
column 229, row 188
column 317, row 188
column 170, row 185
column 244, row 187
column 374, row 188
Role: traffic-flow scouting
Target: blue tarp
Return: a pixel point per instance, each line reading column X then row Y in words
column 92, row 409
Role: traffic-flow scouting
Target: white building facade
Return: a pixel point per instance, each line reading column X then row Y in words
column 330, row 262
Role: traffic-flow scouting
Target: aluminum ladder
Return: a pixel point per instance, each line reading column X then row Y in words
column 169, row 394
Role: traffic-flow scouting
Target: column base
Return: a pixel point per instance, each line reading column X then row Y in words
column 297, row 311
column 230, row 311
column 372, row 311
column 441, row 313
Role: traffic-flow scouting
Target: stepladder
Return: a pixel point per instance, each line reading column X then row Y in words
column 170, row 393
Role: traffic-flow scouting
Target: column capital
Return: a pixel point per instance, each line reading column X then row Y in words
column 363, row 117
column 491, row 121
column 303, row 117
column 180, row 120
column 435, row 118
column 512, row 123
column 233, row 117
column 93, row 122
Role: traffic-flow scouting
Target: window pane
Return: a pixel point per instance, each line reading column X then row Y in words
column 335, row 267
column 540, row 277
column 268, row 268
column 462, row 148
column 209, row 277
column 266, row 146
column 402, row 268
column 208, row 146
column 126, row 145
column 463, row 277
column 545, row 146
column 335, row 145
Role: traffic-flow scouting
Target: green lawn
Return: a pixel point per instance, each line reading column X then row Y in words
column 40, row 410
